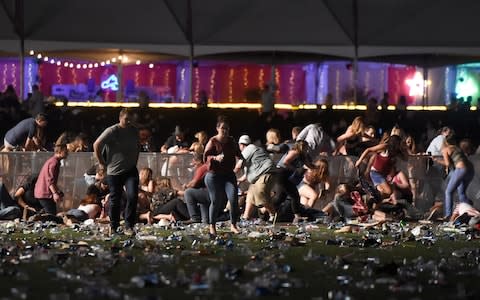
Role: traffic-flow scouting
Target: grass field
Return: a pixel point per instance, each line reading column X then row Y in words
column 303, row 262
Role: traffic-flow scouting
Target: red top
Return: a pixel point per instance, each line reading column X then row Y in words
column 48, row 176
column 230, row 151
column 382, row 164
column 198, row 176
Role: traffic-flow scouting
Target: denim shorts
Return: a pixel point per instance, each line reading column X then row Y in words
column 376, row 177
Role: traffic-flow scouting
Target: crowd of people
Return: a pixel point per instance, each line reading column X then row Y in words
column 282, row 180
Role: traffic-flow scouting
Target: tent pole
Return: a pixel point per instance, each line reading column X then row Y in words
column 19, row 26
column 120, row 97
column 189, row 34
column 22, row 70
column 191, row 63
column 425, row 86
column 355, row 44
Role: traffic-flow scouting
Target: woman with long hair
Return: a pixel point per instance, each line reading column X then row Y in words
column 349, row 142
column 220, row 155
column 291, row 170
column 462, row 173
column 385, row 155
column 145, row 191
column 315, row 182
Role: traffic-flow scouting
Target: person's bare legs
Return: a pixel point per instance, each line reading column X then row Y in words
column 249, row 207
column 212, row 229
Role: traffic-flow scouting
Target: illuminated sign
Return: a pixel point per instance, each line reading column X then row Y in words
column 468, row 83
column 111, row 83
column 416, row 84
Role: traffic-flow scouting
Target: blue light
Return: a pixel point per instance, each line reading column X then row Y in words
column 111, row 83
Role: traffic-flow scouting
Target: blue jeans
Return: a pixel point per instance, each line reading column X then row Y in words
column 220, row 188
column 116, row 183
column 78, row 214
column 198, row 204
column 459, row 180
column 9, row 209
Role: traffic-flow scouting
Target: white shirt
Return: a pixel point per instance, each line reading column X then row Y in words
column 436, row 145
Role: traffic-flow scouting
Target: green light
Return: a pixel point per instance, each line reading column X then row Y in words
column 468, row 83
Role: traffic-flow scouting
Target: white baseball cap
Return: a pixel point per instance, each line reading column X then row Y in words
column 244, row 139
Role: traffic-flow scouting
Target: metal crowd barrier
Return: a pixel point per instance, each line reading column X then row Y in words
column 15, row 167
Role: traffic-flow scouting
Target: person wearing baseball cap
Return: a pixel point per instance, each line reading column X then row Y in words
column 259, row 169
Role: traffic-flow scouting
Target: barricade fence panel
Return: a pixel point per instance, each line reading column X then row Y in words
column 427, row 180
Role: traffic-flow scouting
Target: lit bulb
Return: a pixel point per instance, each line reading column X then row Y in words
column 52, row 61
column 84, row 66
column 59, row 63
column 95, row 65
column 70, row 65
column 32, row 52
column 114, row 59
column 45, row 58
column 65, row 64
column 102, row 63
column 150, row 66
column 138, row 62
column 90, row 66
column 78, row 66
column 108, row 62
column 39, row 56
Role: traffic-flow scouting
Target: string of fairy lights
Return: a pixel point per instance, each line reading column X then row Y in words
column 120, row 59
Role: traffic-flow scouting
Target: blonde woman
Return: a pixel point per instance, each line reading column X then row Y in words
column 273, row 143
column 199, row 145
column 349, row 142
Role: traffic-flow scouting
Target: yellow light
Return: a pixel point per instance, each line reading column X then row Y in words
column 391, row 107
column 138, row 62
column 99, row 104
column 120, row 57
column 255, row 106
column 172, row 105
column 32, row 52
column 429, row 108
column 473, row 108
column 107, row 62
column 114, row 60
column 307, row 106
column 236, row 105
column 39, row 56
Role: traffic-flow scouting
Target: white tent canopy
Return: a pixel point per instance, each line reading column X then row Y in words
column 329, row 27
